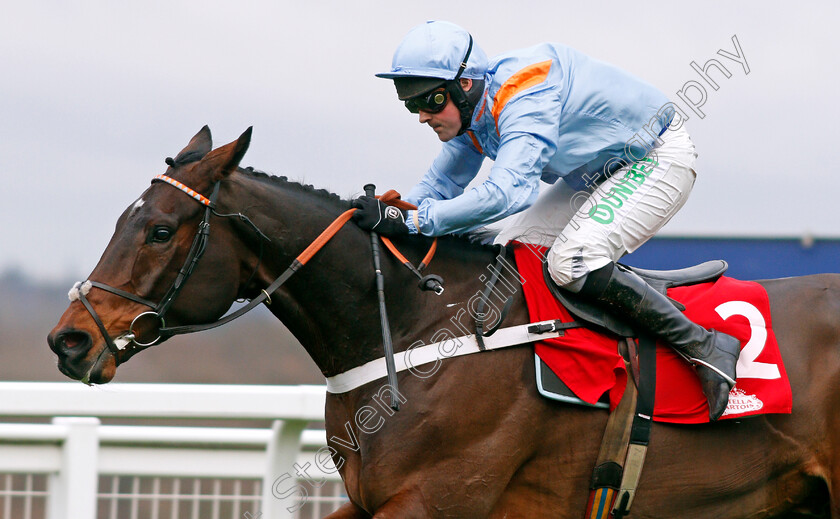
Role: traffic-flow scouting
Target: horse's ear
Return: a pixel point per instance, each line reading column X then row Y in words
column 225, row 159
column 199, row 146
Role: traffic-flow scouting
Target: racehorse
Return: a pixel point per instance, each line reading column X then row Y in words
column 474, row 439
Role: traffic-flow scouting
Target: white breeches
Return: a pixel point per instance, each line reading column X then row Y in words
column 587, row 231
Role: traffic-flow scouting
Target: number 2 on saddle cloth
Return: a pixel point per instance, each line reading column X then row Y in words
column 587, row 361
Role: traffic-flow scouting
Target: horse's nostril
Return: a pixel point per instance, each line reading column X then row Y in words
column 71, row 341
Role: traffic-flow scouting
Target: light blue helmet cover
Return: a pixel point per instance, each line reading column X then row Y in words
column 436, row 49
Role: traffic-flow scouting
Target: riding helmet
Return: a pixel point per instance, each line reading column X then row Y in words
column 431, row 55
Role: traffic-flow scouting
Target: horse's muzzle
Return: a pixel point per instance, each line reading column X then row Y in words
column 72, row 347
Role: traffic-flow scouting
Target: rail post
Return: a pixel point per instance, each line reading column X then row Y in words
column 72, row 491
column 280, row 487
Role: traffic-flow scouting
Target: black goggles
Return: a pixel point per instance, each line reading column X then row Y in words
column 432, row 102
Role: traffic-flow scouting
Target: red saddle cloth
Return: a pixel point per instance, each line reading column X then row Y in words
column 587, row 361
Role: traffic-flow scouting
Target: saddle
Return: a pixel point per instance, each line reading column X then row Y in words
column 661, row 280
column 549, row 384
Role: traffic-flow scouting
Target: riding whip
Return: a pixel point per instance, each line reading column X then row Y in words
column 370, row 191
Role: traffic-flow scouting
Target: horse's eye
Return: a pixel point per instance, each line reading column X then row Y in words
column 160, row 234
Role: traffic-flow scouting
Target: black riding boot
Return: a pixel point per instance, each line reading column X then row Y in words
column 713, row 354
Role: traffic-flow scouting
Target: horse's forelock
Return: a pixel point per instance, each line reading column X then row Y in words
column 186, row 158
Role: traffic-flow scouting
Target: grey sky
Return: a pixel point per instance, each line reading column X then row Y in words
column 94, row 95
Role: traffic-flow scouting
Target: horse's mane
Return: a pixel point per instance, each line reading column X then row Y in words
column 298, row 186
column 480, row 238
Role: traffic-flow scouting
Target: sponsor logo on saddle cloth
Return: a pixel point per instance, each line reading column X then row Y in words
column 588, row 363
column 740, row 402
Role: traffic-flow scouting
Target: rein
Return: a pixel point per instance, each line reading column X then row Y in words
column 129, row 340
column 429, row 282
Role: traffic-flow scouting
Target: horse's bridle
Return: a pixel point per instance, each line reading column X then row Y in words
column 199, row 245
column 158, row 310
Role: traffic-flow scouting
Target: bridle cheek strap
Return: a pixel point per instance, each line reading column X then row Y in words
column 108, row 340
column 197, row 249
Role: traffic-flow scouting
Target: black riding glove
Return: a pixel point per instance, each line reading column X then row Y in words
column 373, row 215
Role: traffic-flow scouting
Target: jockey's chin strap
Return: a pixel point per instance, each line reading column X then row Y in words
column 129, row 339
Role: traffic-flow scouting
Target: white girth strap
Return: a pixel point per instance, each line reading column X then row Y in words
column 413, row 358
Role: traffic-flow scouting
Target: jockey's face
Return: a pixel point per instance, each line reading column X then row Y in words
column 447, row 122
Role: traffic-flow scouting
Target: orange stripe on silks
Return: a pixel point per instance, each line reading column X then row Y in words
column 481, row 110
column 522, row 80
column 475, row 142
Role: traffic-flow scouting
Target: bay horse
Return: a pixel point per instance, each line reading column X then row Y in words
column 475, row 440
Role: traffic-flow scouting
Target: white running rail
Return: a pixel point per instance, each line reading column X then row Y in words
column 79, row 456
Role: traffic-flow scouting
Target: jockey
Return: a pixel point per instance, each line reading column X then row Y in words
column 617, row 159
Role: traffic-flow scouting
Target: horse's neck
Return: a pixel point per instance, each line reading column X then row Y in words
column 331, row 304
